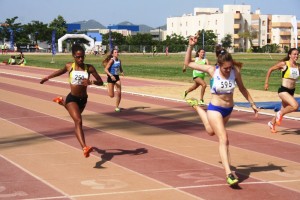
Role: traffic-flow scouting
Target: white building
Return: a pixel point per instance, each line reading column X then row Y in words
column 237, row 20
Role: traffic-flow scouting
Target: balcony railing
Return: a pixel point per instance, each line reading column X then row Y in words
column 284, row 41
column 237, row 16
column 236, row 26
column 236, row 36
column 281, row 25
column 285, row 33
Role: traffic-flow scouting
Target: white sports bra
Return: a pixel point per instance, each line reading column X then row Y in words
column 221, row 85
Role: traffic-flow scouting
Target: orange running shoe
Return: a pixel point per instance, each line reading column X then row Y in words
column 86, row 151
column 272, row 127
column 278, row 118
column 58, row 100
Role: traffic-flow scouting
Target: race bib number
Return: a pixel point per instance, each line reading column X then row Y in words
column 225, row 86
column 78, row 76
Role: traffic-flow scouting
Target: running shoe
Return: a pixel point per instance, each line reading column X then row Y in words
column 185, row 94
column 105, row 84
column 192, row 102
column 86, row 151
column 58, row 100
column 117, row 110
column 201, row 102
column 272, row 127
column 278, row 118
column 232, row 180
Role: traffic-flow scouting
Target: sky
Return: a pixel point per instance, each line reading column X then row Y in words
column 153, row 13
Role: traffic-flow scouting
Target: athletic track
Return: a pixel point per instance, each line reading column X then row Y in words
column 155, row 149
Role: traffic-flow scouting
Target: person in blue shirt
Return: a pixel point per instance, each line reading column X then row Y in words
column 113, row 69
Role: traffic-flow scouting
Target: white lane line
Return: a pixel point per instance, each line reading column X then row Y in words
column 166, row 189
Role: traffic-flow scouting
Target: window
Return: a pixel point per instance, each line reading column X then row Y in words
column 263, row 22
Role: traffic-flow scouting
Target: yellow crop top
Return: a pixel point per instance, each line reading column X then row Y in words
column 290, row 72
column 76, row 77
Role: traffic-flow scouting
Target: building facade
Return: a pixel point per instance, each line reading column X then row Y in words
column 248, row 29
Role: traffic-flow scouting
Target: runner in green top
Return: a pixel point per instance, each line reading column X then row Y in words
column 198, row 76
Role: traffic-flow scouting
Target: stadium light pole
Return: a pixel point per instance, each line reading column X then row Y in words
column 159, row 33
column 203, row 39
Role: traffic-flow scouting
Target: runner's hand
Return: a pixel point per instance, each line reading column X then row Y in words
column 44, row 80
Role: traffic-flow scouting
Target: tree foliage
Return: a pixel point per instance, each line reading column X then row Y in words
column 117, row 38
column 59, row 25
column 176, row 43
column 207, row 40
column 139, row 39
column 227, row 41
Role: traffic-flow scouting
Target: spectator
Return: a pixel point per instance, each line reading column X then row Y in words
column 154, row 51
column 22, row 61
column 12, row 60
column 5, row 48
column 37, row 49
column 167, row 50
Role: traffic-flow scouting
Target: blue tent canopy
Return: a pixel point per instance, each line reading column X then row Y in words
column 96, row 36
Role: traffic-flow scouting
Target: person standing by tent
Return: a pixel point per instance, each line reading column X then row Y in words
column 289, row 73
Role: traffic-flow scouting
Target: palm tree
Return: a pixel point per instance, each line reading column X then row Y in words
column 249, row 35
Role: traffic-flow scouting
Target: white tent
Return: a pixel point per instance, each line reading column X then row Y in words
column 67, row 36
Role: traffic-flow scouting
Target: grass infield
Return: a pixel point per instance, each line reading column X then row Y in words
column 170, row 67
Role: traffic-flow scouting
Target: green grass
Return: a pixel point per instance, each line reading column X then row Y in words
column 170, row 68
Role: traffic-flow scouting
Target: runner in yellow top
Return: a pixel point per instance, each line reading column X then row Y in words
column 198, row 76
column 79, row 79
column 290, row 74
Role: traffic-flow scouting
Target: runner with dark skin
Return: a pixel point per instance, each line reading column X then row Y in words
column 76, row 100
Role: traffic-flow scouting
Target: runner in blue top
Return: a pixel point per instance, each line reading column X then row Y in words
column 198, row 76
column 113, row 68
column 225, row 77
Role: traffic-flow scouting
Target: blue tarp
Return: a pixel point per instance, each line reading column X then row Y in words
column 266, row 105
column 96, row 36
